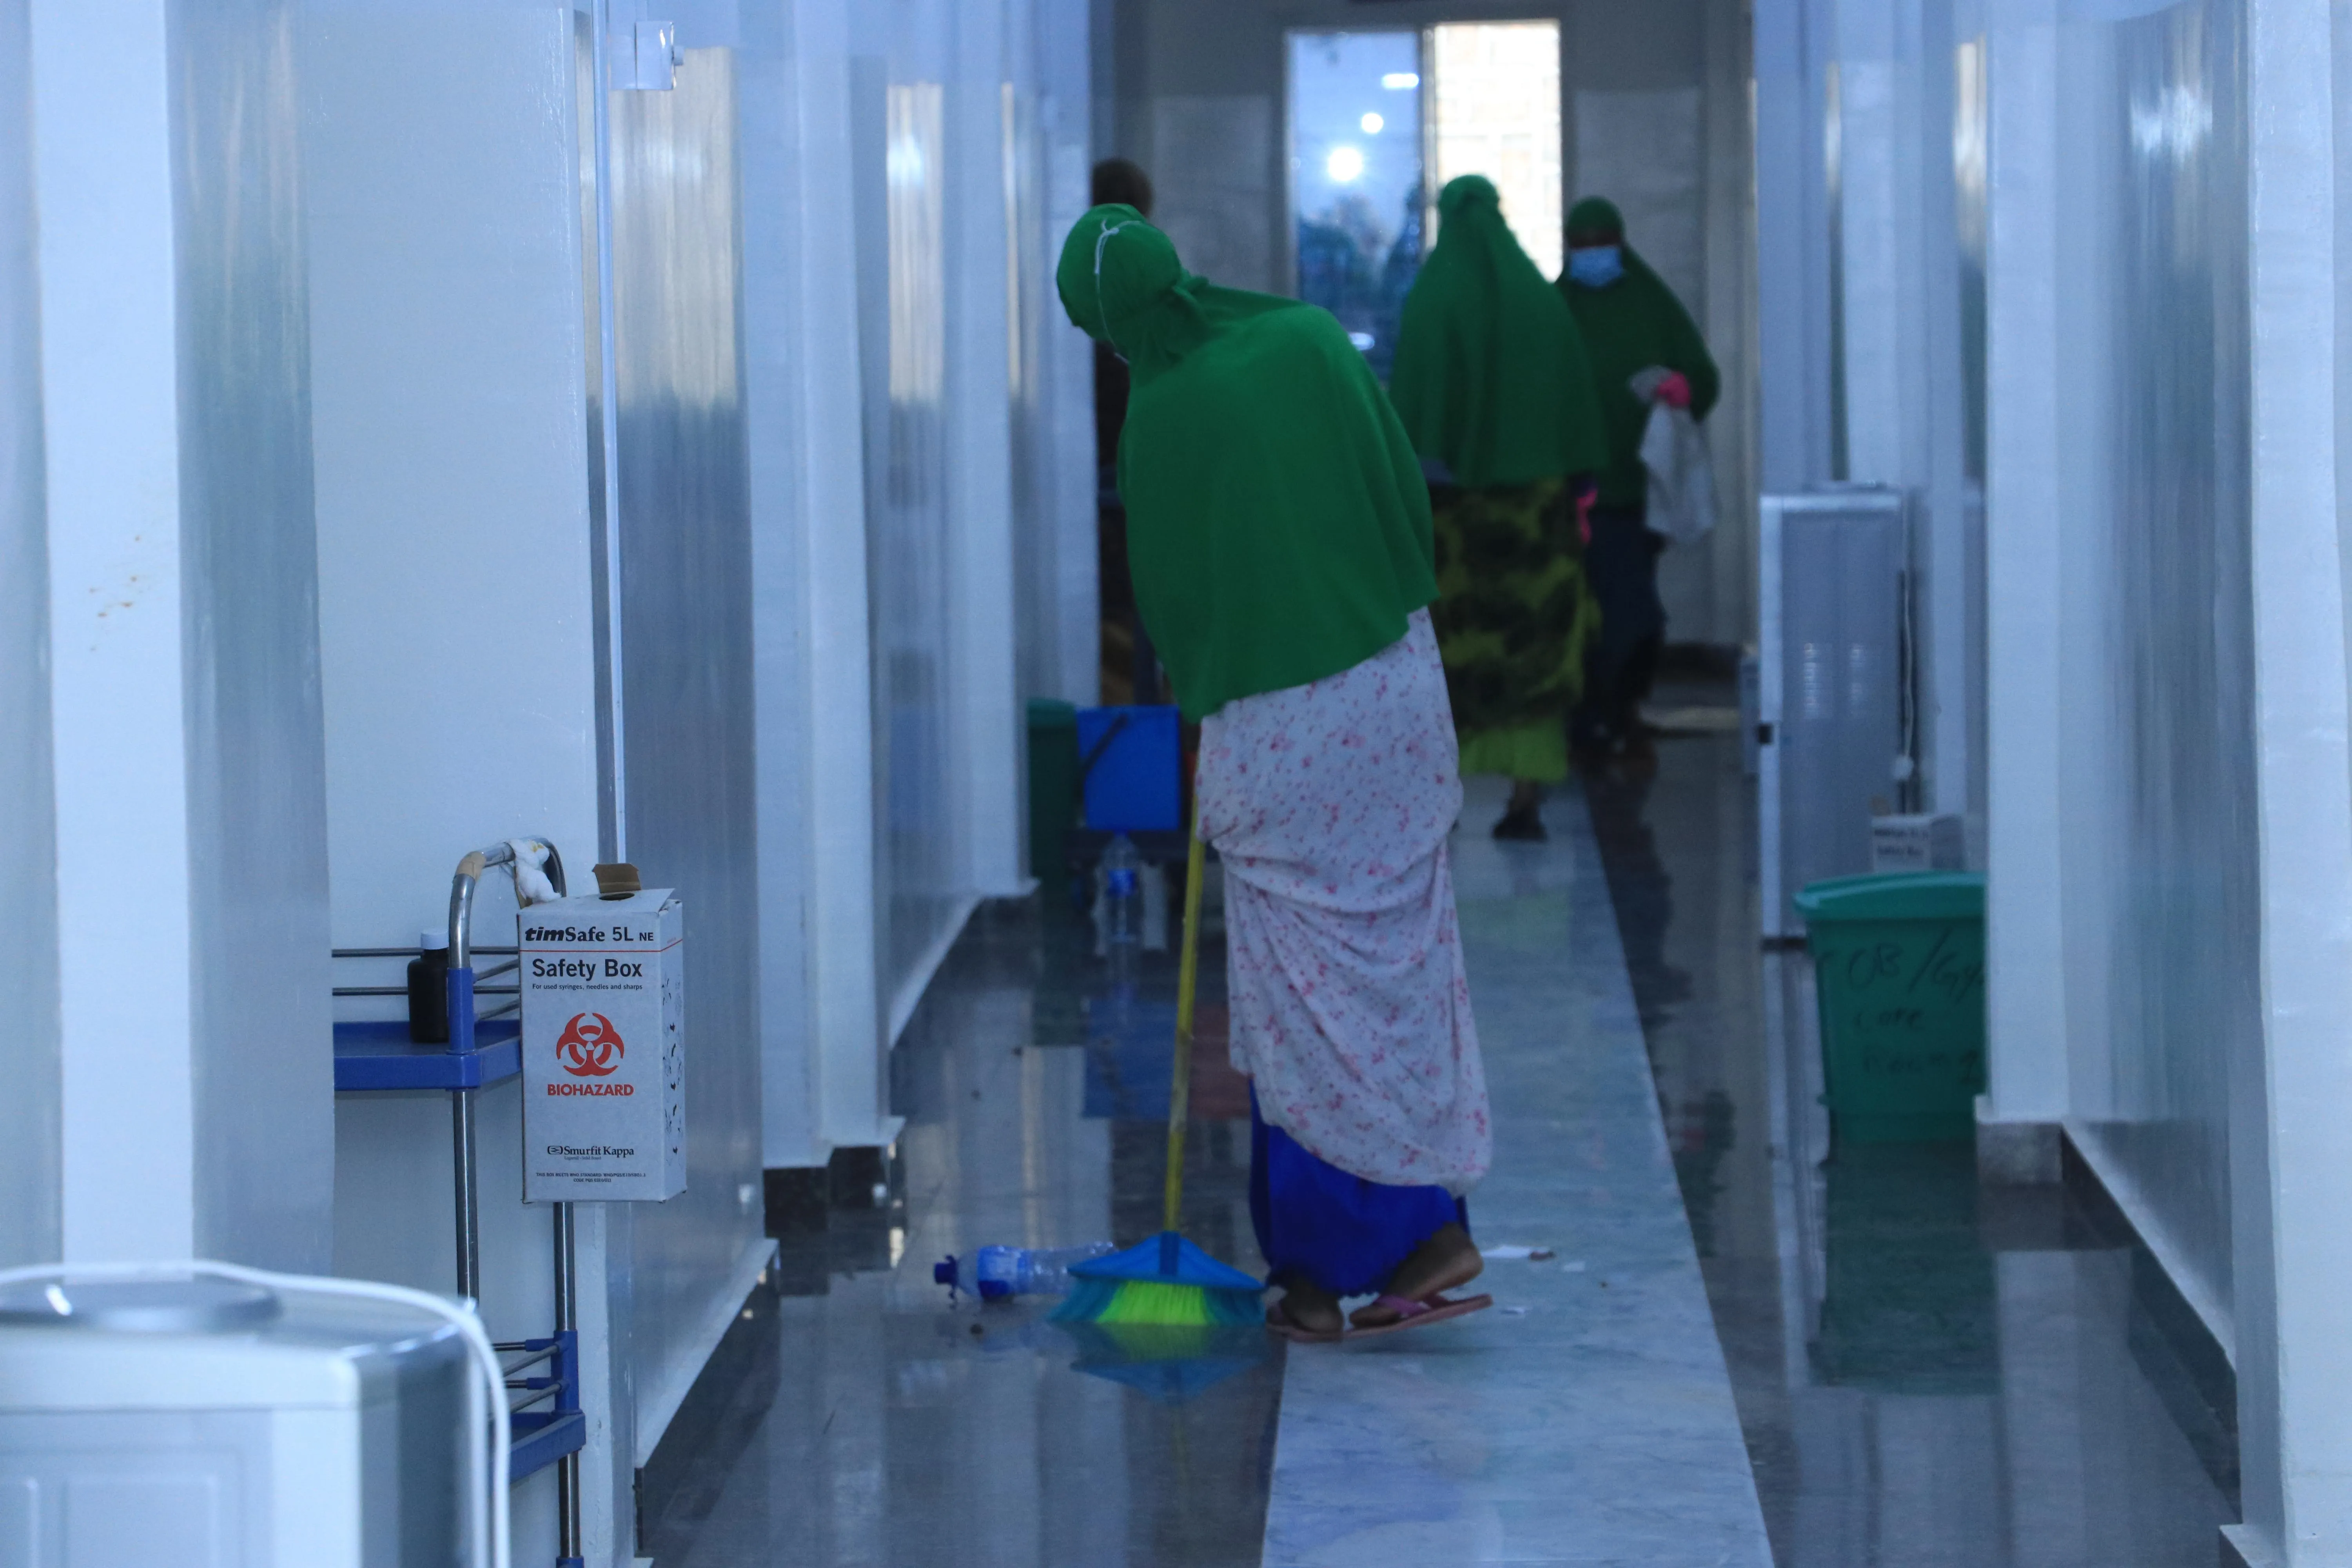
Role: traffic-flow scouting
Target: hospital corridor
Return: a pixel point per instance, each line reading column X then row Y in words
column 1175, row 784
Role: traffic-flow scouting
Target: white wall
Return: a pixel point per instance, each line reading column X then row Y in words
column 183, row 716
column 921, row 454
column 471, row 611
column 2171, row 803
column 456, row 602
column 2289, row 1186
column 2124, row 843
column 683, row 517
column 29, row 968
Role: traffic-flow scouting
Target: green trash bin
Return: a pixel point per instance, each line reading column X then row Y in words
column 1052, row 793
column 1898, row 963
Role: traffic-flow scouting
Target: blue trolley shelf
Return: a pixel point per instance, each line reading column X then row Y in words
column 381, row 1056
column 548, row 1426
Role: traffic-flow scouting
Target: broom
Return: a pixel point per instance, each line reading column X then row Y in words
column 1167, row 1279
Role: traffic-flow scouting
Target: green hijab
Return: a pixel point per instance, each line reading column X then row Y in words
column 1491, row 377
column 1277, row 526
column 1629, row 325
column 1599, row 215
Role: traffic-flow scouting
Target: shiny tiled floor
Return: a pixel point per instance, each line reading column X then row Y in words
column 1928, row 1372
column 1920, row 1376
column 899, row 1430
column 1589, row 1418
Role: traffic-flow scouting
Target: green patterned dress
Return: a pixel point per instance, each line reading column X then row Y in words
column 1514, row 616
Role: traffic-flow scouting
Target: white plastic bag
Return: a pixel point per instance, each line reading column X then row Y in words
column 1681, row 474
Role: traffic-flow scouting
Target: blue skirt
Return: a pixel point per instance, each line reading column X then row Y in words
column 1315, row 1222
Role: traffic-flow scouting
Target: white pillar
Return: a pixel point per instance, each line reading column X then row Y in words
column 186, row 739
column 1065, row 42
column 2025, row 972
column 1792, row 270
column 826, row 1088
column 2294, row 1255
column 985, row 724
column 28, row 960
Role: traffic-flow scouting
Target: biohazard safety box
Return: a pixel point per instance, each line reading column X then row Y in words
column 604, row 1048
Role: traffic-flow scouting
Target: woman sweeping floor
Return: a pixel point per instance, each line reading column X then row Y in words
column 1493, row 387
column 1278, row 536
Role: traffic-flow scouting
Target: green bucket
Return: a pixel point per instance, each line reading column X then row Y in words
column 1898, row 963
column 1052, row 793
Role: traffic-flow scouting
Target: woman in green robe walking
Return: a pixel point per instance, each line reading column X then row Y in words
column 1492, row 384
column 1632, row 322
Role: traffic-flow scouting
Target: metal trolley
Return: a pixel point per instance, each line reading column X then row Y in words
column 485, row 1048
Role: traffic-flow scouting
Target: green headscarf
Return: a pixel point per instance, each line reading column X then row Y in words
column 1278, row 525
column 1490, row 375
column 1632, row 324
column 1599, row 215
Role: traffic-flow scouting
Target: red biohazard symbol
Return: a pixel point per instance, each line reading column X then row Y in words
column 590, row 1047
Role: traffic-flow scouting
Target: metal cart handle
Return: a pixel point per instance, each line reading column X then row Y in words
column 461, row 894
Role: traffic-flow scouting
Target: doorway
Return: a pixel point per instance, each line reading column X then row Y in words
column 1380, row 121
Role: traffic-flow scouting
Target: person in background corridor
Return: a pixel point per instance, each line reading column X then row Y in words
column 1492, row 384
column 1279, row 536
column 1129, row 669
column 1632, row 321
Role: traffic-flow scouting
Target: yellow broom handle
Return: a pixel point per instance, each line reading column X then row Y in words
column 1188, row 980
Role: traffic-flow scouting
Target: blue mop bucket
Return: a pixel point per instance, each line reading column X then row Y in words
column 1132, row 762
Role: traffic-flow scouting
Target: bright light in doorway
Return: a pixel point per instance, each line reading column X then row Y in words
column 1371, row 124
column 1344, row 164
column 1401, row 81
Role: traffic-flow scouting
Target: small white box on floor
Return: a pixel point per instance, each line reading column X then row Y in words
column 1917, row 843
column 604, row 1048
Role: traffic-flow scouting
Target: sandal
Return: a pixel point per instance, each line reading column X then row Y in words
column 1435, row 1307
column 1278, row 1320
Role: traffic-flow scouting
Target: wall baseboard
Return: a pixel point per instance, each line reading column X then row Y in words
column 2243, row 1547
column 2018, row 1154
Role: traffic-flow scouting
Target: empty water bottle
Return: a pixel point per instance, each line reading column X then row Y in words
column 997, row 1273
column 1122, row 903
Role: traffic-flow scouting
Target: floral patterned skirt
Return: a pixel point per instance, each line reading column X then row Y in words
column 1330, row 806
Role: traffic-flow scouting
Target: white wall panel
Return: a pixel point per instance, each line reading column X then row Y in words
column 29, row 965
column 455, row 602
column 2160, row 808
column 899, row 115
column 980, row 276
column 2289, row 1191
column 782, row 224
column 684, row 520
column 181, row 575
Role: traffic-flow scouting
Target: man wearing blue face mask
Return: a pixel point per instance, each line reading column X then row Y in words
column 1632, row 321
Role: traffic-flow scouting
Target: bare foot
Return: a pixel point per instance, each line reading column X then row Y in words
column 1447, row 1260
column 1306, row 1307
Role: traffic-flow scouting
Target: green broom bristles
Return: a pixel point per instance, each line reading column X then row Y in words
column 1157, row 1303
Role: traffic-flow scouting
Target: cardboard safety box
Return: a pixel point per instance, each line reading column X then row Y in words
column 604, row 1048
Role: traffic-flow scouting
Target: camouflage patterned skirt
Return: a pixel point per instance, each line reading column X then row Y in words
column 1514, row 617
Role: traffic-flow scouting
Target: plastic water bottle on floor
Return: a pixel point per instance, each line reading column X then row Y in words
column 999, row 1273
column 1122, row 904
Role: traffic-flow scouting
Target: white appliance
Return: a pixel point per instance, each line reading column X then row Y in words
column 208, row 1422
column 1832, row 689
